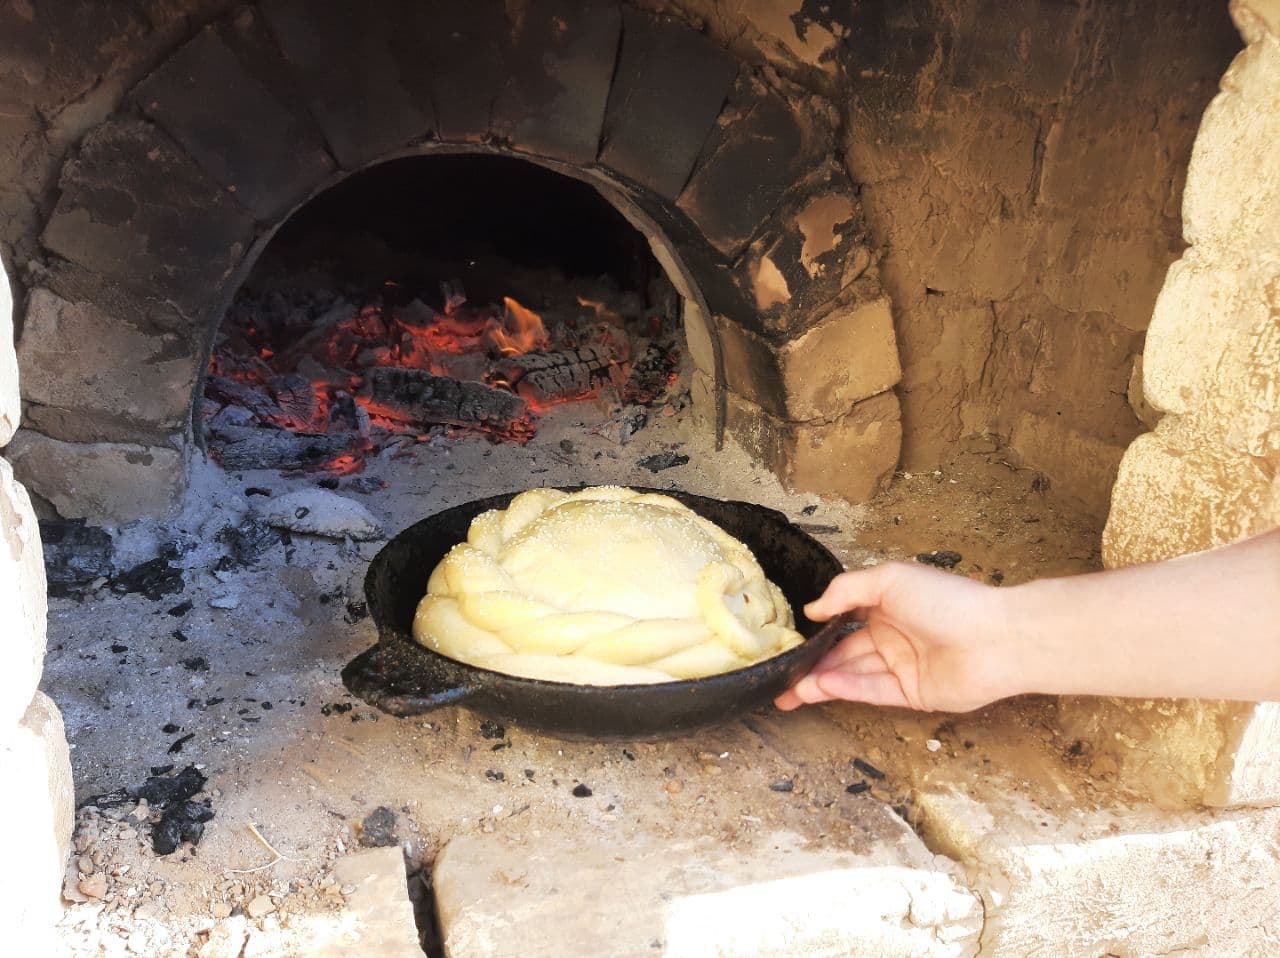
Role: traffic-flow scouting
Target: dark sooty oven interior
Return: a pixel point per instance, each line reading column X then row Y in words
column 454, row 292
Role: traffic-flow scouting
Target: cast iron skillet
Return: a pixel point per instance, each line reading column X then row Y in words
column 403, row 678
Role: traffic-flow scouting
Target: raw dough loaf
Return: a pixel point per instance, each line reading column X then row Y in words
column 606, row 586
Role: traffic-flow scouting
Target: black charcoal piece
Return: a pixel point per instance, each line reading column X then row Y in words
column 153, row 579
column 492, row 730
column 160, row 790
column 183, row 822
column 247, row 542
column 782, row 785
column 581, row 791
column 662, row 460
column 176, row 747
column 857, row 788
column 75, row 554
column 942, row 559
column 866, row 768
column 378, row 830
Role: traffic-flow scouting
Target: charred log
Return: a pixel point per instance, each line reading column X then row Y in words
column 232, row 392
column 415, row 396
column 261, row 448
column 296, row 398
column 556, row 376
column 650, row 376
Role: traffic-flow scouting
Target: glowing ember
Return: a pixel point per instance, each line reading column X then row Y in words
column 491, row 369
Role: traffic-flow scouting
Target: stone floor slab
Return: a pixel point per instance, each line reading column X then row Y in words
column 378, row 920
column 647, row 895
column 1070, row 880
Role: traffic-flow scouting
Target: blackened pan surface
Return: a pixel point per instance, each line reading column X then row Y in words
column 401, row 677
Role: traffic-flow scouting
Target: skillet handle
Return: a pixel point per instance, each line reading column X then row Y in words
column 836, row 628
column 400, row 685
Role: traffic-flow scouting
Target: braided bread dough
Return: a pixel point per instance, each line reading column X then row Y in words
column 606, row 586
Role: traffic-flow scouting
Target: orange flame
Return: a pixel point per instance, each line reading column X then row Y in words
column 603, row 313
column 521, row 330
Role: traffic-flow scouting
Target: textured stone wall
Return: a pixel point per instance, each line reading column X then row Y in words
column 1209, row 473
column 1021, row 168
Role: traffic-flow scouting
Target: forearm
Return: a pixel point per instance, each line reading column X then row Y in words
column 1200, row 626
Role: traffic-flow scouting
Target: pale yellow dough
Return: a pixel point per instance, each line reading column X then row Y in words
column 606, row 586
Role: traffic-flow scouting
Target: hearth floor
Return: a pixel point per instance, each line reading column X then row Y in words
column 251, row 696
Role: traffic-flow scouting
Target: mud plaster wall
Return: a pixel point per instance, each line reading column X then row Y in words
column 1209, row 473
column 1022, row 168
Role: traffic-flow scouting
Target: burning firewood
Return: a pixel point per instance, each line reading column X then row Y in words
column 296, row 398
column 259, row 448
column 412, row 395
column 554, row 377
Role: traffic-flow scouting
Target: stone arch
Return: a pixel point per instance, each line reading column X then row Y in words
column 167, row 203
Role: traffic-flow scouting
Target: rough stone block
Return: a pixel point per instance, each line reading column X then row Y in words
column 10, row 404
column 1135, row 393
column 107, row 483
column 759, row 147
column 668, row 89
column 378, row 914
column 811, row 36
column 1177, row 493
column 22, row 597
column 456, row 50
column 944, row 343
column 1256, row 18
column 342, row 57
column 236, row 128
column 1080, row 466
column 1030, row 45
column 47, row 58
column 812, row 249
column 38, row 793
column 1183, row 753
column 1117, row 272
column 1211, row 351
column 559, row 70
column 135, row 209
column 1230, row 203
column 847, row 355
column 852, row 457
column 1073, row 881
column 1187, row 334
column 1084, row 169
column 77, row 358
column 769, row 896
column 1164, row 749
column 1246, row 775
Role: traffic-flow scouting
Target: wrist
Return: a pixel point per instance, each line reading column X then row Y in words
column 1047, row 648
column 1024, row 665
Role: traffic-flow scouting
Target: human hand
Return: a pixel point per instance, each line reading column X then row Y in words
column 933, row 641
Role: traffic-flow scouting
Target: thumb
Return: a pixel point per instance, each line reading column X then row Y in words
column 848, row 591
